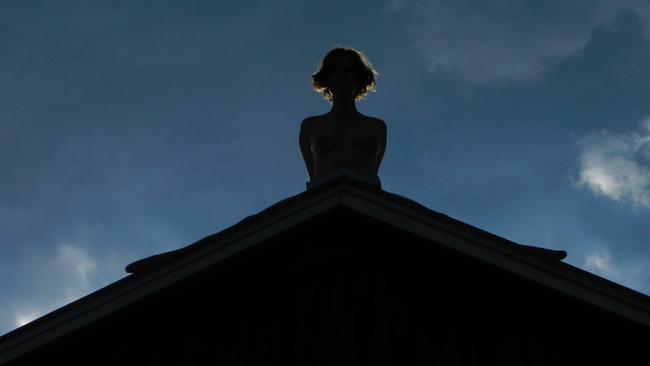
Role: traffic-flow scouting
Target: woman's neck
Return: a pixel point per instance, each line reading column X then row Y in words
column 343, row 106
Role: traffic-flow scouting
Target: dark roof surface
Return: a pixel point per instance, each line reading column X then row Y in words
column 543, row 266
column 149, row 263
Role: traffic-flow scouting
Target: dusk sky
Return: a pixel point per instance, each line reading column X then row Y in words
column 129, row 128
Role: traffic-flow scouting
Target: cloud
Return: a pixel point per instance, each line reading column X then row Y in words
column 77, row 261
column 631, row 272
column 63, row 279
column 617, row 166
column 506, row 40
column 70, row 263
column 21, row 318
column 77, row 264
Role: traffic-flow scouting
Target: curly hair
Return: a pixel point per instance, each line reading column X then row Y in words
column 363, row 70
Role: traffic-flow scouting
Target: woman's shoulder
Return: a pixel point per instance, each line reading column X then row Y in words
column 311, row 120
column 316, row 118
column 308, row 124
column 378, row 122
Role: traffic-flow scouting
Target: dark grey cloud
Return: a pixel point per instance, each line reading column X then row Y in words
column 506, row 41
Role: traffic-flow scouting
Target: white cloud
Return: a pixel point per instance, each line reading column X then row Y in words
column 617, row 166
column 73, row 264
column 506, row 40
column 600, row 263
column 631, row 272
column 21, row 318
column 66, row 277
column 77, row 262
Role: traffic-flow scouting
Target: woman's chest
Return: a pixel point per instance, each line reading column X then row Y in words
column 345, row 138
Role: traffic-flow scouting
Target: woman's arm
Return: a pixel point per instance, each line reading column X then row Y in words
column 303, row 139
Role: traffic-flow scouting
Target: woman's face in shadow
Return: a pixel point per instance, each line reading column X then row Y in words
column 343, row 79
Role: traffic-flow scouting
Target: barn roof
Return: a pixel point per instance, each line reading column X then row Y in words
column 149, row 275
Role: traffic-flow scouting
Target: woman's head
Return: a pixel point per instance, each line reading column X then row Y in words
column 344, row 71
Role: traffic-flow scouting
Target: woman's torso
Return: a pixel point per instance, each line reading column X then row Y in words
column 353, row 143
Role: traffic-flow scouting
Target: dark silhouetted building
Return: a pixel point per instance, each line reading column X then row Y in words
column 345, row 274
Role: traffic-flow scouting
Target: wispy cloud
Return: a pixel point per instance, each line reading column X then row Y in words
column 78, row 265
column 23, row 317
column 501, row 41
column 617, row 166
column 68, row 276
column 71, row 263
column 631, row 272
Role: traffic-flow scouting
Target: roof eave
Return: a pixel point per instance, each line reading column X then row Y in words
column 379, row 205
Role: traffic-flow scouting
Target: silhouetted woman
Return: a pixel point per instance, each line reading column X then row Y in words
column 343, row 140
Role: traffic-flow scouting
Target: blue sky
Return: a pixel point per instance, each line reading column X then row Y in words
column 132, row 128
